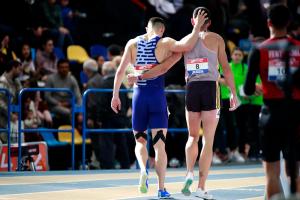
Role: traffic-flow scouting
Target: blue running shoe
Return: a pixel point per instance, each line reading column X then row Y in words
column 143, row 184
column 163, row 194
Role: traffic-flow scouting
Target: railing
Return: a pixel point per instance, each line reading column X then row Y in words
column 7, row 129
column 81, row 109
column 86, row 130
column 46, row 129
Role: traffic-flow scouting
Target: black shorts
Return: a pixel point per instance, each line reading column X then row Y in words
column 202, row 96
column 275, row 118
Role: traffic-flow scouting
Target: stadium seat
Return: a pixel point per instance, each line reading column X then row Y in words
column 98, row 50
column 245, row 45
column 77, row 53
column 230, row 45
column 33, row 53
column 66, row 136
column 59, row 53
column 51, row 141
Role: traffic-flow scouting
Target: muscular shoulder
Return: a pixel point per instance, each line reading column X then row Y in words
column 132, row 42
column 214, row 37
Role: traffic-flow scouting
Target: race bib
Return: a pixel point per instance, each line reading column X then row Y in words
column 140, row 69
column 276, row 70
column 197, row 66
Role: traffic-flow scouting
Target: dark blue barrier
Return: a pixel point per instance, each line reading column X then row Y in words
column 86, row 130
column 7, row 129
column 45, row 129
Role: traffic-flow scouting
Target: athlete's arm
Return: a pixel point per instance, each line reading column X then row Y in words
column 125, row 61
column 253, row 71
column 222, row 57
column 188, row 42
column 157, row 70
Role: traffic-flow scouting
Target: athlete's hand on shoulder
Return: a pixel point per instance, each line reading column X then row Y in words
column 200, row 19
column 115, row 104
column 234, row 102
column 132, row 78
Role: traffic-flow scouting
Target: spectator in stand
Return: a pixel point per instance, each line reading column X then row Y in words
column 26, row 60
column 46, row 60
column 60, row 102
column 9, row 81
column 113, row 51
column 52, row 17
column 100, row 60
column 70, row 16
column 6, row 53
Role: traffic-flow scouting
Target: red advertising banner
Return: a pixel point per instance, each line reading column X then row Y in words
column 35, row 151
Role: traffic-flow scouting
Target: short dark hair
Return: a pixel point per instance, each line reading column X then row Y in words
column 157, row 21
column 279, row 15
column 12, row 64
column 205, row 10
column 61, row 61
column 114, row 49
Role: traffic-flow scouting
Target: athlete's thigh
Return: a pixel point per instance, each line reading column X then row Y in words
column 193, row 120
column 139, row 112
column 158, row 113
column 210, row 121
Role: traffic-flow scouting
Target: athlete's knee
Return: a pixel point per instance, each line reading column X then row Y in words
column 193, row 139
column 159, row 137
column 141, row 137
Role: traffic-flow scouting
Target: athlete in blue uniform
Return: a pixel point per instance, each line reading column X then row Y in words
column 149, row 107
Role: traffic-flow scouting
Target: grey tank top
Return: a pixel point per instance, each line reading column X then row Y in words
column 201, row 63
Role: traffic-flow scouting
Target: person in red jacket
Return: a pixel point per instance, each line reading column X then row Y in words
column 281, row 124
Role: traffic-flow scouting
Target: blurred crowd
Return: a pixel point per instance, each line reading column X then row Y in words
column 34, row 53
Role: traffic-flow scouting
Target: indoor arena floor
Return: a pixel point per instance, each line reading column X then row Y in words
column 224, row 182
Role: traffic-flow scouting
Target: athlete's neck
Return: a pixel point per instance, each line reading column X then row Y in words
column 152, row 34
column 275, row 33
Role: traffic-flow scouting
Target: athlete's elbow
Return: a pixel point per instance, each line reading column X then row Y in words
column 188, row 48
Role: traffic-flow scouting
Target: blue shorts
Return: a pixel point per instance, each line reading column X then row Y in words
column 149, row 108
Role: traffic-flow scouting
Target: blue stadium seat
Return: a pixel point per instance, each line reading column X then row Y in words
column 245, row 45
column 59, row 53
column 33, row 52
column 98, row 50
column 51, row 140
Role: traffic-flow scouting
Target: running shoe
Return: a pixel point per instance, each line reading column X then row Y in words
column 186, row 187
column 143, row 184
column 203, row 194
column 163, row 194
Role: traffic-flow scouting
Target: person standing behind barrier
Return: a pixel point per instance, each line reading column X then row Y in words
column 112, row 145
column 268, row 61
column 60, row 102
column 90, row 68
column 226, row 126
column 239, row 70
column 202, row 98
column 9, row 80
column 149, row 107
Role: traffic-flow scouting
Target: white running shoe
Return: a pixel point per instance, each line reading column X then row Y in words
column 236, row 156
column 216, row 160
column 203, row 194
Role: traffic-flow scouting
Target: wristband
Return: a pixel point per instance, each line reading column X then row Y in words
column 139, row 77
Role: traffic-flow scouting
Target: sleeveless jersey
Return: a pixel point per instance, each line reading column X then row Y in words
column 146, row 60
column 201, row 63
